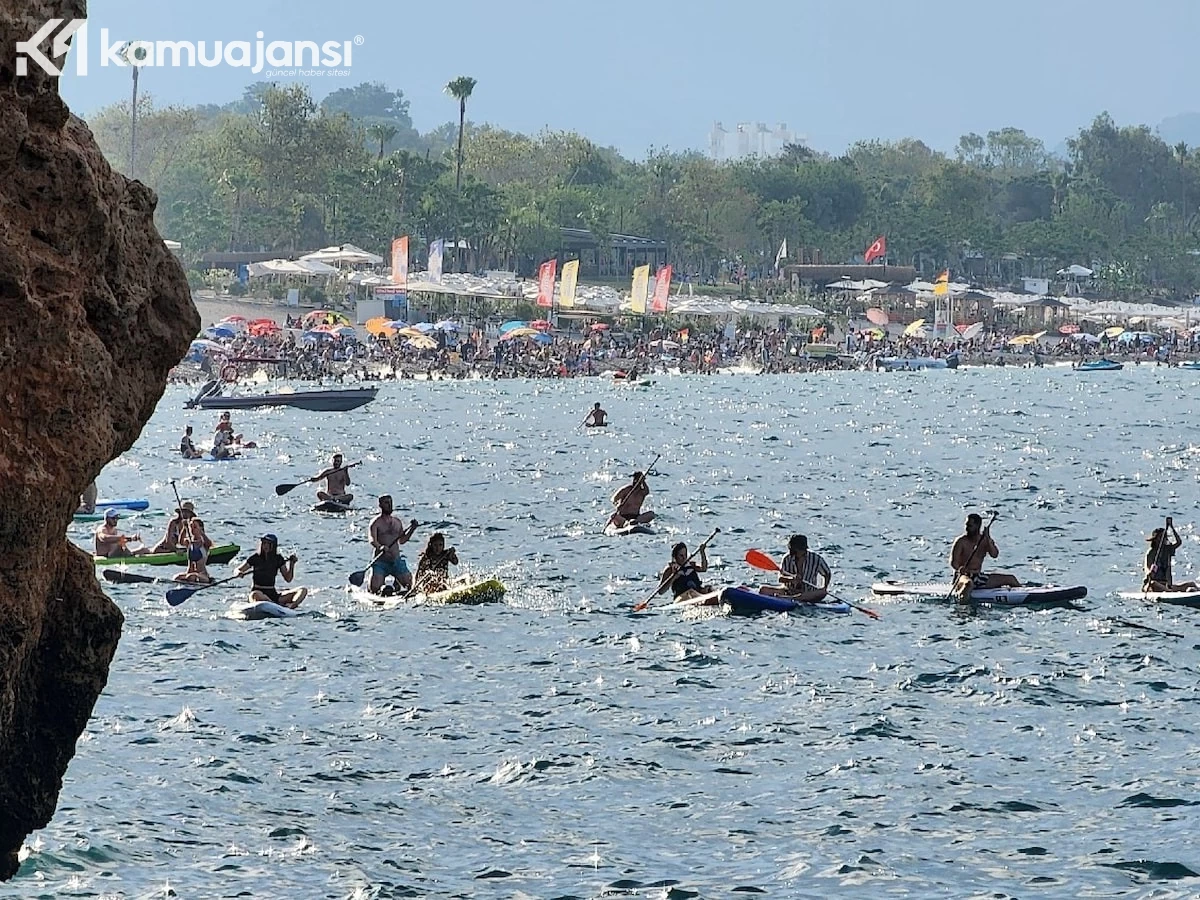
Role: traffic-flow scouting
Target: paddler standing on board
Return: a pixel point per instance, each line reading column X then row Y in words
column 628, row 501
column 967, row 556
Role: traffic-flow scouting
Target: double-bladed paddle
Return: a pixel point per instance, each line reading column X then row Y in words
column 281, row 489
column 760, row 560
column 983, row 535
column 663, row 586
column 181, row 594
column 357, row 578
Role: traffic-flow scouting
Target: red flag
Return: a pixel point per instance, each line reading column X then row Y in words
column 876, row 250
column 546, row 282
column 662, row 290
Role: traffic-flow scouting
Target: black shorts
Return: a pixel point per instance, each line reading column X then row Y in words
column 269, row 592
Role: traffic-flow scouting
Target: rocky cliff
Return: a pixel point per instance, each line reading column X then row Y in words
column 94, row 311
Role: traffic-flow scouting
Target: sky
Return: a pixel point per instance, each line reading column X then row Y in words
column 659, row 73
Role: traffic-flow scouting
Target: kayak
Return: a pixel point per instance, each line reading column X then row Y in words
column 330, row 506
column 627, row 530
column 1021, row 596
column 221, row 554
column 127, row 503
column 1175, row 598
column 746, row 601
column 248, row 611
column 99, row 516
column 1100, row 365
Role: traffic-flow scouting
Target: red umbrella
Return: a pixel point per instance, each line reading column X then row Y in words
column 263, row 327
column 600, row 326
column 877, row 316
column 1069, row 328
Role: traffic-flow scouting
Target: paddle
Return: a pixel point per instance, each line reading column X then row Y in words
column 180, row 595
column 641, row 479
column 983, row 535
column 357, row 578
column 662, row 587
column 281, row 489
column 760, row 560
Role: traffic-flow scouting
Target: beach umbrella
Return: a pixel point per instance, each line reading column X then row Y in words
column 1085, row 338
column 220, row 331
column 1115, row 331
column 423, row 342
column 541, row 338
column 381, row 326
column 346, row 331
column 509, row 326
column 915, row 328
column 410, row 332
column 875, row 333
column 200, row 345
column 1069, row 328
column 448, row 325
column 972, row 331
column 665, row 344
column 424, row 327
column 541, row 325
column 523, row 331
column 397, row 324
column 877, row 316
column 315, row 336
column 1021, row 340
column 600, row 326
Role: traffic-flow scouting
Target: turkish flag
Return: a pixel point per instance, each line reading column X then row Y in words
column 877, row 249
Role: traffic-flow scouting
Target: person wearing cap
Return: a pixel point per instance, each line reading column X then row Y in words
column 337, row 480
column 174, row 538
column 110, row 543
column 628, row 501
column 387, row 533
column 267, row 564
column 1163, row 544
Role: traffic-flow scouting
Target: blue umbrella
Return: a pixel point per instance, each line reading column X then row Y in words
column 509, row 326
column 397, row 324
column 542, row 339
column 448, row 325
column 423, row 327
column 315, row 336
column 220, row 331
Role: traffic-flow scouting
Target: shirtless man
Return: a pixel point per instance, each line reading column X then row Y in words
column 628, row 501
column 337, row 479
column 596, row 417
column 966, row 559
column 111, row 543
column 387, row 533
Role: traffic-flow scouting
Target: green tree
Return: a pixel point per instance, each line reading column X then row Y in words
column 383, row 133
column 461, row 89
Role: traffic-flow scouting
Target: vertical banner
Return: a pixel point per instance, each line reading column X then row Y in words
column 546, row 272
column 400, row 261
column 662, row 290
column 641, row 284
column 435, row 260
column 566, row 288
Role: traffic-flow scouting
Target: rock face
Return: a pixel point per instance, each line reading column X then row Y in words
column 94, row 311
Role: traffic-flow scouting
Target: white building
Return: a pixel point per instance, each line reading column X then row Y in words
column 750, row 139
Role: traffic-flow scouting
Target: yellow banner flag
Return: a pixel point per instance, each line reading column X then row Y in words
column 566, row 286
column 942, row 284
column 641, row 288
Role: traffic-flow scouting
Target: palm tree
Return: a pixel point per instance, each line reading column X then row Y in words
column 1181, row 154
column 460, row 89
column 383, row 133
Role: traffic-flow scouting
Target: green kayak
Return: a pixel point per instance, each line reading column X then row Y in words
column 220, row 554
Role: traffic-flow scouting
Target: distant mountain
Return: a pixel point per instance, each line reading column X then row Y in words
column 1183, row 127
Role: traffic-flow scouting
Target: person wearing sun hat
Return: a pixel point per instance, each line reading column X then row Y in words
column 1163, row 544
column 111, row 543
column 266, row 565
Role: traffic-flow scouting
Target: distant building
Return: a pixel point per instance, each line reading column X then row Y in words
column 755, row 140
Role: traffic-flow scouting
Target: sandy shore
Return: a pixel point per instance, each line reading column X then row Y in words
column 213, row 309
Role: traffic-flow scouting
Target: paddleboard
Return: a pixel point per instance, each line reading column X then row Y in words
column 472, row 593
column 627, row 530
column 1021, row 596
column 248, row 611
column 1175, row 598
column 745, row 600
column 330, row 506
column 131, row 514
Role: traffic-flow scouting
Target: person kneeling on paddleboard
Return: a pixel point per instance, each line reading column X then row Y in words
column 799, row 573
column 433, row 565
column 387, row 533
column 628, row 501
column 683, row 576
column 266, row 564
column 966, row 559
column 1163, row 544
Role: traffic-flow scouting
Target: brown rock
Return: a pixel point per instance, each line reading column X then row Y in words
column 95, row 311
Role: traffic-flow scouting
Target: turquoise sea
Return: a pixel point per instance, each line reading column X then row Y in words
column 560, row 745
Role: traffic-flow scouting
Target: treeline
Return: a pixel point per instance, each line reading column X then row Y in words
column 279, row 171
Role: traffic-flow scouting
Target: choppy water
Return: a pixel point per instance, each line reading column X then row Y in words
column 559, row 745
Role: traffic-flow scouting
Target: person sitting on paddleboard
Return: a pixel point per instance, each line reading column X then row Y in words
column 628, row 501
column 87, row 500
column 967, row 555
column 337, row 479
column 222, row 447
column 198, row 544
column 111, row 543
column 433, row 565
column 266, row 564
column 1163, row 544
column 596, row 418
column 683, row 576
column 799, row 573
column 387, row 533
column 187, row 449
column 175, row 537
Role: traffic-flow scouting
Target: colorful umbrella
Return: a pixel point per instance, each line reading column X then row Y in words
column 263, row 328
column 448, row 325
column 220, row 331
column 541, row 325
column 323, row 317
column 1113, row 332
column 200, row 346
column 524, row 331
column 1069, row 328
column 381, row 326
column 600, row 326
column 422, row 342
column 509, row 326
column 346, row 331
column 877, row 316
column 917, row 327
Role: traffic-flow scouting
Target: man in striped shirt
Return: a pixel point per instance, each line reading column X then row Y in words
column 799, row 573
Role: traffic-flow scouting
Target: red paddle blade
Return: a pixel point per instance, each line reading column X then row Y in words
column 760, row 560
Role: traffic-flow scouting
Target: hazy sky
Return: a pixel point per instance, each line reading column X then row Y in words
column 642, row 73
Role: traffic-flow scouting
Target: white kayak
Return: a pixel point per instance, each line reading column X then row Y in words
column 1175, row 598
column 1020, row 596
column 248, row 611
